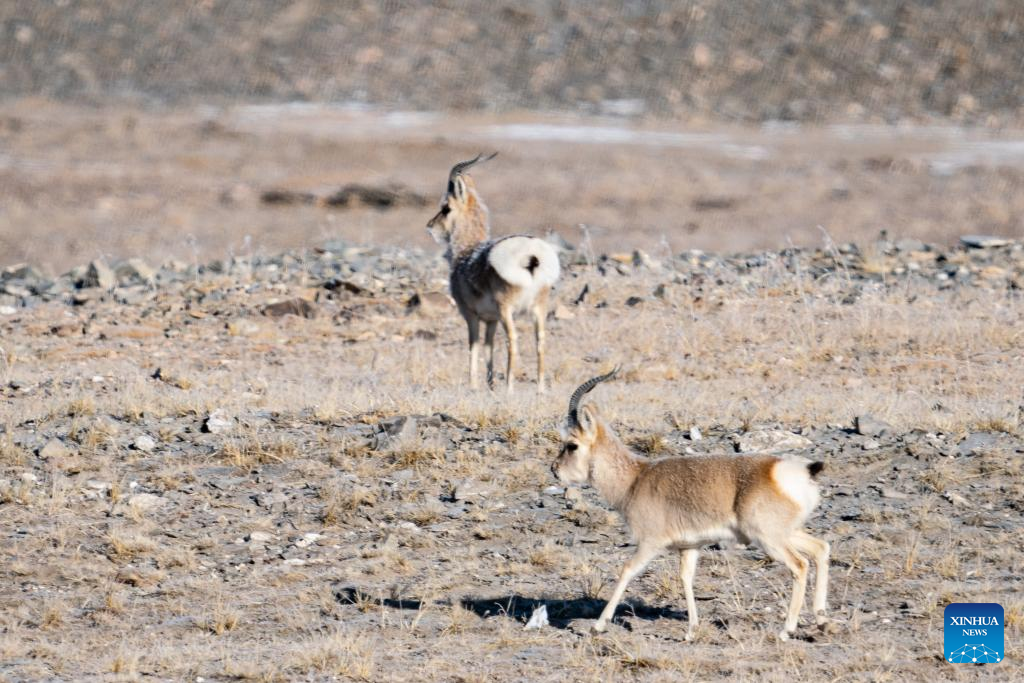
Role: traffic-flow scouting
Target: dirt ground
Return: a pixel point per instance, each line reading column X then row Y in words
column 78, row 183
column 194, row 488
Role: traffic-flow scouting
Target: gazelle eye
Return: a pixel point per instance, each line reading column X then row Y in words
column 571, row 447
column 445, row 210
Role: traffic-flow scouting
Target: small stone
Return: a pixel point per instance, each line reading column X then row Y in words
column 429, row 303
column 563, row 312
column 99, row 275
column 259, row 537
column 8, row 310
column 295, row 562
column 218, row 422
column 871, row 445
column 29, row 477
column 573, row 494
column 977, row 443
column 634, row 300
column 770, row 441
column 695, row 434
column 144, row 443
column 145, row 501
column 53, row 449
column 242, row 327
column 538, row 620
column 554, row 491
column 956, row 499
column 297, row 307
column 269, row 500
column 396, row 430
column 908, row 244
column 469, row 488
column 983, row 241
column 134, row 271
column 868, row 425
column 308, row 539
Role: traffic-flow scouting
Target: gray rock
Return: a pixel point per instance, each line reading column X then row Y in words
column 976, row 443
column 144, row 443
column 98, row 274
column 269, row 500
column 259, row 537
column 771, row 441
column 54, row 448
column 871, row 445
column 145, row 502
column 868, row 425
column 983, row 241
column 218, row 422
column 396, row 430
column 470, row 488
column 910, row 244
column 695, row 434
column 134, row 271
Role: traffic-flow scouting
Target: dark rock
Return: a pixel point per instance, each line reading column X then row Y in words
column 297, row 307
column 868, row 425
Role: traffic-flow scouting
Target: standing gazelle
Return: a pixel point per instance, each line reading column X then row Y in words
column 684, row 503
column 492, row 280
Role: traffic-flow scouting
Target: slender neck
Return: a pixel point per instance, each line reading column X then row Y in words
column 471, row 228
column 615, row 469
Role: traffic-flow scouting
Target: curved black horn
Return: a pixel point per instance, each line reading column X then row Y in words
column 574, row 402
column 459, row 168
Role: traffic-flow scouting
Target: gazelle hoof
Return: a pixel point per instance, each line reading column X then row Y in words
column 784, row 635
column 598, row 627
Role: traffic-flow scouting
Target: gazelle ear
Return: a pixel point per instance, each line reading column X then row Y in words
column 588, row 420
column 459, row 186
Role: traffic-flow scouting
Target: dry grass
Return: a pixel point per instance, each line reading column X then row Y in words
column 84, row 566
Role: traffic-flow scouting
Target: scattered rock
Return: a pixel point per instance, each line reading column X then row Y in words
column 429, row 303
column 144, row 443
column 308, row 539
column 470, row 488
column 269, row 500
column 983, row 241
column 390, row 197
column 976, row 443
column 868, row 425
column 218, row 422
column 695, row 434
column 54, row 449
column 563, row 312
column 259, row 537
column 770, row 441
column 871, row 445
column 145, row 502
column 956, row 499
column 98, row 274
column 396, row 430
column 297, row 307
column 134, row 271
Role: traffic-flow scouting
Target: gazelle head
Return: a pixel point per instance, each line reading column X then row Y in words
column 461, row 206
column 582, row 435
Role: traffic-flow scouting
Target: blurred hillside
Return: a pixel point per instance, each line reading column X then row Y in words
column 723, row 60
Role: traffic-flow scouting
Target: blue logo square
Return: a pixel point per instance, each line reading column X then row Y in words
column 973, row 633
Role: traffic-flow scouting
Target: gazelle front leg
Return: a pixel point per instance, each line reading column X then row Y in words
column 635, row 565
column 687, row 568
column 474, row 350
column 513, row 352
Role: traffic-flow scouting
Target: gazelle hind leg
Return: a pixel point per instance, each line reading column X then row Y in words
column 819, row 550
column 513, row 352
column 539, row 315
column 489, row 329
column 797, row 564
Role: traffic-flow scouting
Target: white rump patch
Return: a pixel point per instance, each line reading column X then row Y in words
column 526, row 262
column 792, row 476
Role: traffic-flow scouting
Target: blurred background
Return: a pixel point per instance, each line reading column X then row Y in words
column 205, row 129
